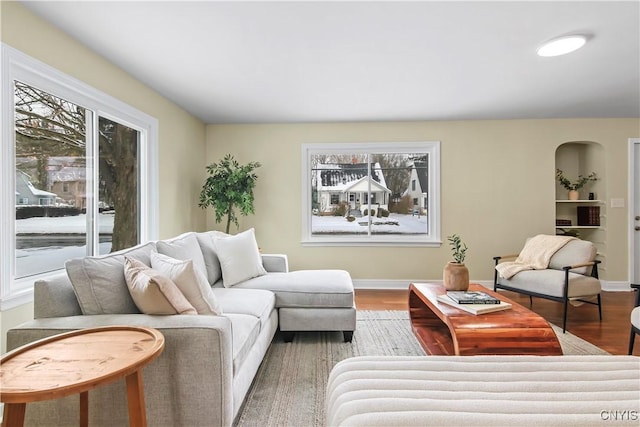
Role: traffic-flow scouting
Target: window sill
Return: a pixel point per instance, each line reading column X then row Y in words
column 315, row 242
column 23, row 290
column 16, row 299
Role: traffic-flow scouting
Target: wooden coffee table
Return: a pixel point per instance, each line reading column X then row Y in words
column 76, row 362
column 445, row 330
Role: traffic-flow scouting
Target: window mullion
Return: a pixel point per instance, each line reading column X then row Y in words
column 92, row 165
column 369, row 220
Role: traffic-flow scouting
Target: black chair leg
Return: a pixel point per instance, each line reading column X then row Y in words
column 564, row 317
column 600, row 307
column 631, row 339
column 530, row 301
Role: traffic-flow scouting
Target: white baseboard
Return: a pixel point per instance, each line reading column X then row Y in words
column 608, row 286
column 401, row 284
column 611, row 286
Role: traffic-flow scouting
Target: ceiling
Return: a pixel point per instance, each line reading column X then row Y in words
column 268, row 62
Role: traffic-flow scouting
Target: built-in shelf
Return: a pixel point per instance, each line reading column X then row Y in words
column 592, row 227
column 577, row 158
column 578, row 201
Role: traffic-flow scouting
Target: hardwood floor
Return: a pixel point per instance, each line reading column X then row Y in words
column 612, row 334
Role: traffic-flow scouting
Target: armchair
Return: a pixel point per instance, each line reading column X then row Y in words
column 635, row 318
column 571, row 275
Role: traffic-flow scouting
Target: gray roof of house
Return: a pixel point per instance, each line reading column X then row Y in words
column 422, row 170
column 345, row 172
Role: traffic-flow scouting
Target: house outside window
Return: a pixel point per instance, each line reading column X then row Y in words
column 377, row 181
column 59, row 174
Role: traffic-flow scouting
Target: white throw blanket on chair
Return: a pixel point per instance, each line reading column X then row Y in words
column 535, row 255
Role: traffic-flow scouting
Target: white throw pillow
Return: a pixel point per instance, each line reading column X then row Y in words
column 191, row 281
column 239, row 257
column 183, row 247
column 152, row 292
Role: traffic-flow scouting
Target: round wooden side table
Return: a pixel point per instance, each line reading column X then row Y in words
column 76, row 362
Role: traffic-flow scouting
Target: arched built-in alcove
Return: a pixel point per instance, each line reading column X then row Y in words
column 585, row 217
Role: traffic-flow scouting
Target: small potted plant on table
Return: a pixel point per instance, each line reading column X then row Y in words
column 456, row 275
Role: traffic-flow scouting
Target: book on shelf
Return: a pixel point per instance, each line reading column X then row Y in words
column 475, row 308
column 472, row 297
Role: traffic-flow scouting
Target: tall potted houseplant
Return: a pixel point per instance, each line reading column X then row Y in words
column 229, row 186
column 455, row 275
column 574, row 186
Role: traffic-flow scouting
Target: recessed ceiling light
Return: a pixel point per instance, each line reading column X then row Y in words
column 562, row 45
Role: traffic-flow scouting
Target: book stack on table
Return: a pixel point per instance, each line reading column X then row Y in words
column 474, row 302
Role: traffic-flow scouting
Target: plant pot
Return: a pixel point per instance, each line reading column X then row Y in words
column 455, row 277
column 574, row 195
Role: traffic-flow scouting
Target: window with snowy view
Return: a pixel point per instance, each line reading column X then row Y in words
column 371, row 193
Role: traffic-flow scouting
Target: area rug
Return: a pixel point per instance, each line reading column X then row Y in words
column 290, row 384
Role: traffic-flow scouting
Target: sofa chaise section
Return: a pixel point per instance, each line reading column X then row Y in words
column 310, row 300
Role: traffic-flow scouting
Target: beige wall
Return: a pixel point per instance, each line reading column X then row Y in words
column 181, row 136
column 498, row 187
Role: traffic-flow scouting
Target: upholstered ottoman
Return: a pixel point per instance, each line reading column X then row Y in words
column 484, row 391
column 311, row 300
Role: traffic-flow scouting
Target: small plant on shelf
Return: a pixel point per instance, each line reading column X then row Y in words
column 458, row 247
column 576, row 185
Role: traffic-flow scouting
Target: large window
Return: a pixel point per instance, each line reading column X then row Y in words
column 78, row 171
column 378, row 193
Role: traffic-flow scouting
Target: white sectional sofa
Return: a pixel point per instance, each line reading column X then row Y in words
column 209, row 361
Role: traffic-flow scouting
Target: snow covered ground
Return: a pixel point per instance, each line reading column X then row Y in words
column 406, row 224
column 49, row 250
column 63, row 224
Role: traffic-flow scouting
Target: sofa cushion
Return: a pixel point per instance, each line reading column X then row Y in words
column 551, row 282
column 191, row 281
column 306, row 288
column 239, row 257
column 575, row 252
column 152, row 292
column 183, row 247
column 245, row 330
column 256, row 302
column 99, row 282
column 211, row 261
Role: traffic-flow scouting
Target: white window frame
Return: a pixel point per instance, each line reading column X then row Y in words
column 432, row 239
column 16, row 65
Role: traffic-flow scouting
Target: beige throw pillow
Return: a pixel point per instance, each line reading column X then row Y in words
column 191, row 281
column 239, row 257
column 152, row 292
